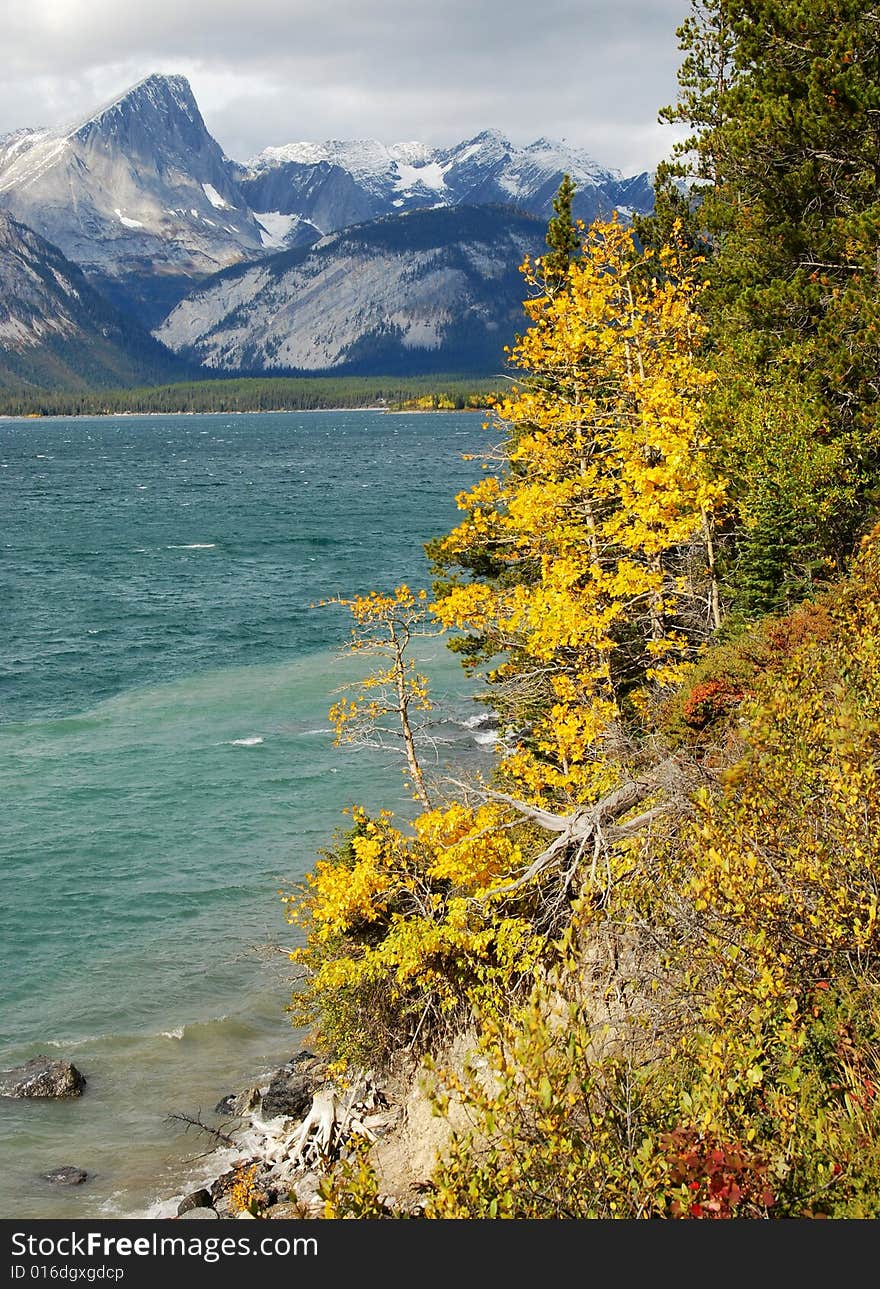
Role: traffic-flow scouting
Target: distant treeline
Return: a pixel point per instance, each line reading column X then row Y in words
column 255, row 394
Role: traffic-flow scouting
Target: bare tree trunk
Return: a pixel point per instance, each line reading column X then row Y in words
column 709, row 544
column 409, row 744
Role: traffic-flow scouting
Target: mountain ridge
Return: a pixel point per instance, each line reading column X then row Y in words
column 144, row 200
column 58, row 332
column 425, row 290
column 366, row 178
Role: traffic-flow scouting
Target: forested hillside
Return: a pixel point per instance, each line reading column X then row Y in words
column 660, row 913
column 256, row 394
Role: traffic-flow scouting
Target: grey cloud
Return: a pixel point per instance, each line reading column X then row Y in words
column 271, row 71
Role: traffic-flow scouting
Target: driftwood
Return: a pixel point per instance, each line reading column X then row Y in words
column 595, row 827
column 196, row 1121
column 326, row 1124
column 319, row 1125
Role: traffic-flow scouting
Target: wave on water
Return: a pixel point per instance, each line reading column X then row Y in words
column 73, row 1042
column 481, row 721
column 207, row 1029
column 194, row 546
column 255, row 741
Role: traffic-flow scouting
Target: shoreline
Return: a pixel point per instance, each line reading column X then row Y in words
column 265, row 411
column 287, row 1133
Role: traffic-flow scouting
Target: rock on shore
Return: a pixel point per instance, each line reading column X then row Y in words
column 290, row 1131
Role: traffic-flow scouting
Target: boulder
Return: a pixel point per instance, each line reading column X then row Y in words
column 291, row 1088
column 196, row 1199
column 67, row 1175
column 285, row 1211
column 245, row 1101
column 197, row 1213
column 289, row 1095
column 306, row 1192
column 42, row 1077
column 262, row 1189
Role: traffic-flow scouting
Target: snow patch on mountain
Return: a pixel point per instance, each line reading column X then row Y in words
column 125, row 221
column 429, row 176
column 214, row 197
column 275, row 226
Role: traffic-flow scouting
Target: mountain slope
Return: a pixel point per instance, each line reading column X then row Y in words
column 337, row 183
column 138, row 194
column 57, row 332
column 428, row 291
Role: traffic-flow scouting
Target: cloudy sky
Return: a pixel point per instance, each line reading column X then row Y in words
column 592, row 72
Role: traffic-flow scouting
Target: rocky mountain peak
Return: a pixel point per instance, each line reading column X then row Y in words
column 161, row 98
column 137, row 193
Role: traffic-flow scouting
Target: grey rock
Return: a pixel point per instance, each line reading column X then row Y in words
column 292, row 1087
column 66, row 1176
column 246, row 1101
column 305, row 1189
column 196, row 1199
column 193, row 1214
column 284, row 1210
column 42, row 1077
column 287, row 1094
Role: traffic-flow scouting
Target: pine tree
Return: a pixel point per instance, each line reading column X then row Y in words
column 780, row 179
column 563, row 237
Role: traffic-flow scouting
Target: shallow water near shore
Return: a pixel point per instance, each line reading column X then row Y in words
column 166, row 765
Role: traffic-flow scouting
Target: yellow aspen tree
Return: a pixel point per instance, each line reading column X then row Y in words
column 579, row 552
column 384, row 626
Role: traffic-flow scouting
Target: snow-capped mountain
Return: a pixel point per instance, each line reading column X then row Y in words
column 337, row 183
column 143, row 199
column 55, row 330
column 138, row 193
column 430, row 290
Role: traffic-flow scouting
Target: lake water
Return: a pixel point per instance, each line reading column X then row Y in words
column 166, row 765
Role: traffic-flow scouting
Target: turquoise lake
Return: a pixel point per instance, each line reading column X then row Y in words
column 166, row 764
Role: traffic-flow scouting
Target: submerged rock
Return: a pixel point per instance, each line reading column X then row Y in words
column 67, row 1175
column 42, row 1077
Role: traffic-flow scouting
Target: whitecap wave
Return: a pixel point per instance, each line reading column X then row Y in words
column 74, row 1042
column 481, row 721
column 173, row 1033
column 193, row 546
column 255, row 741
